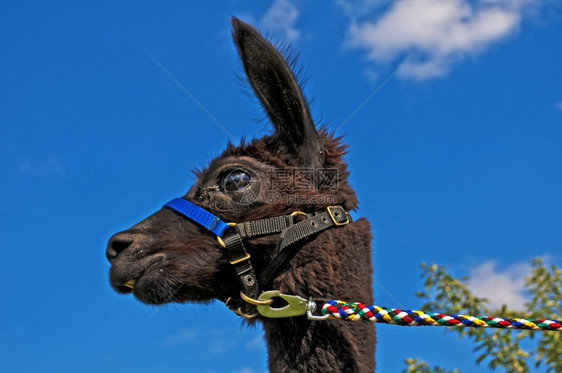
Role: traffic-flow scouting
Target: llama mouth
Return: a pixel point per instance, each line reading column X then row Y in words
column 131, row 283
column 124, row 278
column 126, row 287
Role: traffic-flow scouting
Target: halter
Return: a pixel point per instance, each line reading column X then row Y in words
column 290, row 232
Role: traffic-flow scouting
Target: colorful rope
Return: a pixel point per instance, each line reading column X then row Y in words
column 359, row 311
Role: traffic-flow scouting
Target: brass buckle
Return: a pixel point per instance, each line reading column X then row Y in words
column 329, row 208
column 295, row 213
column 238, row 311
column 255, row 302
column 236, row 261
column 221, row 242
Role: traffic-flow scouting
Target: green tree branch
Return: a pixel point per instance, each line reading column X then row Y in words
column 501, row 349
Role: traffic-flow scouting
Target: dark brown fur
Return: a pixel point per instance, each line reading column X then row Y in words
column 175, row 260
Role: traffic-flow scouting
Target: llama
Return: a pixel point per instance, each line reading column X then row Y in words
column 295, row 177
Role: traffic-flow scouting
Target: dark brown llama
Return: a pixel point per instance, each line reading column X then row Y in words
column 171, row 257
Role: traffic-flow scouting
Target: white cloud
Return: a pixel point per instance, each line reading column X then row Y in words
column 500, row 286
column 436, row 33
column 281, row 17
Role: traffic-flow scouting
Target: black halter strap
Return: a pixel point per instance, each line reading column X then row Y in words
column 291, row 233
column 312, row 225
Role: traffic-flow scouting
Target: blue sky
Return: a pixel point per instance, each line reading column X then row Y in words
column 453, row 113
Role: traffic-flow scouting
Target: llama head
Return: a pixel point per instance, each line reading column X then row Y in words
column 168, row 258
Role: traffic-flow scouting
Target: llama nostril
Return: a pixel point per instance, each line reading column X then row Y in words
column 116, row 245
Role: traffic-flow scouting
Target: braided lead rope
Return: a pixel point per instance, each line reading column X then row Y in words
column 359, row 311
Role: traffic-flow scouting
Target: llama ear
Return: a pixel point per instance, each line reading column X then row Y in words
column 277, row 89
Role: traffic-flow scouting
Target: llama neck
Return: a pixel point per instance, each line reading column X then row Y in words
column 301, row 345
column 336, row 265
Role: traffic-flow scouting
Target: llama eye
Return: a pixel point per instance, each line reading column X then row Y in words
column 236, row 180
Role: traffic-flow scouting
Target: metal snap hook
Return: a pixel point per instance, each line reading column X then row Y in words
column 297, row 306
column 311, row 309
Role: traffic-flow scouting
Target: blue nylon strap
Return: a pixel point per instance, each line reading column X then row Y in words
column 199, row 215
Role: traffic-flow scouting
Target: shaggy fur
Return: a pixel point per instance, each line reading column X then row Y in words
column 172, row 259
